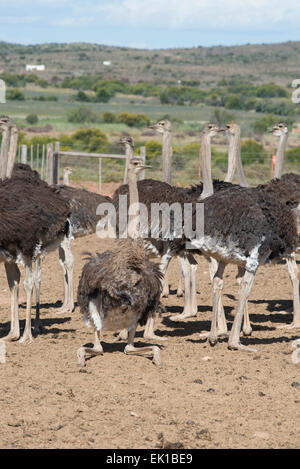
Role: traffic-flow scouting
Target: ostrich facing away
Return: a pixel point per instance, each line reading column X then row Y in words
column 121, row 288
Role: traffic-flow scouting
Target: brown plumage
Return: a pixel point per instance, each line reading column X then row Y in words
column 34, row 221
column 83, row 206
column 126, row 284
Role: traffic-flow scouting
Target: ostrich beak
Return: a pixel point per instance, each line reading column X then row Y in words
column 222, row 129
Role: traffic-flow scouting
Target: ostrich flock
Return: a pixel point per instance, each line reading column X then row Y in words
column 121, row 288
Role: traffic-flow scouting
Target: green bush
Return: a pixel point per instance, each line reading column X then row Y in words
column 293, row 155
column 15, row 95
column 252, row 152
column 32, row 119
column 90, row 140
column 82, row 114
column 82, row 96
column 153, row 148
column 134, row 120
column 109, row 117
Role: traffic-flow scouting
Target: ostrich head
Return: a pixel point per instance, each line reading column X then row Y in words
column 210, row 130
column 136, row 165
column 231, row 129
column 280, row 129
column 5, row 122
column 68, row 171
column 162, row 126
column 126, row 141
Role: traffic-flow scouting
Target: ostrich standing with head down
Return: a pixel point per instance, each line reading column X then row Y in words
column 121, row 288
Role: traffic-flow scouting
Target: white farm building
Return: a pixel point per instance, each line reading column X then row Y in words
column 36, row 68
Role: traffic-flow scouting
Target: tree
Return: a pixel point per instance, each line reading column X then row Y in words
column 15, row 95
column 32, row 119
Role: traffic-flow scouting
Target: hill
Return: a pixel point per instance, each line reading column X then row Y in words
column 262, row 63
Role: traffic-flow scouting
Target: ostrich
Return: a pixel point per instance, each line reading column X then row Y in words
column 121, row 288
column 34, row 221
column 67, row 173
column 280, row 130
column 164, row 127
column 242, row 272
column 246, row 227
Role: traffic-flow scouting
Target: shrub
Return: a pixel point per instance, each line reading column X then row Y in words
column 252, row 152
column 82, row 96
column 153, row 148
column 134, row 120
column 15, row 95
column 109, row 117
column 32, row 119
column 82, row 114
column 293, row 155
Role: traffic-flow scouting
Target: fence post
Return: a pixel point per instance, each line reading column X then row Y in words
column 56, row 164
column 24, row 154
column 143, row 156
column 43, row 162
column 37, row 157
column 31, row 156
column 49, row 164
column 100, row 175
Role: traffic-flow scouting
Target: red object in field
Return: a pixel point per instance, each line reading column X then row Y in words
column 273, row 160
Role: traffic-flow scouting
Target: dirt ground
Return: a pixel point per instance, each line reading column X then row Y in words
column 201, row 397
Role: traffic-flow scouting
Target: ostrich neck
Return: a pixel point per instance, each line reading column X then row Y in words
column 235, row 160
column 4, row 151
column 133, row 200
column 167, row 157
column 280, row 155
column 206, row 167
column 13, row 146
column 66, row 179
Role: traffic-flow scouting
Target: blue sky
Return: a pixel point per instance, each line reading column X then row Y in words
column 150, row 23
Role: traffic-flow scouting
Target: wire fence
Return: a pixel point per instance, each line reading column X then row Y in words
column 94, row 170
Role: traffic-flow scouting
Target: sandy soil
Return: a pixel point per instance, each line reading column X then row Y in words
column 201, row 397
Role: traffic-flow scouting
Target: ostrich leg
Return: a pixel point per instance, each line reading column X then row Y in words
column 165, row 286
column 149, row 352
column 66, row 261
column 188, row 267
column 37, row 284
column 294, row 276
column 83, row 352
column 28, row 287
column 245, row 289
column 179, row 287
column 13, row 278
column 217, row 295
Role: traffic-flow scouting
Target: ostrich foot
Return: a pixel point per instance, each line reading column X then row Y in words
column 220, row 334
column 247, row 331
column 84, row 352
column 11, row 336
column 148, row 352
column 239, row 346
column 184, row 316
column 153, row 336
column 293, row 325
column 26, row 338
column 65, row 309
